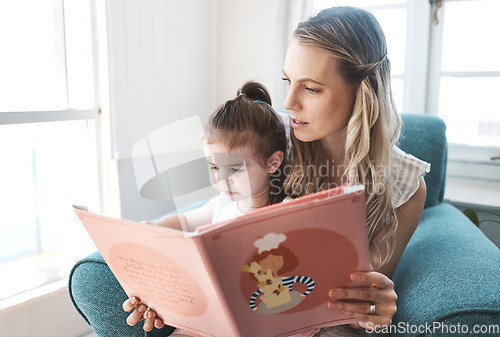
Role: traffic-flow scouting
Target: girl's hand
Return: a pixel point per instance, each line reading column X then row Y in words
column 141, row 312
column 369, row 288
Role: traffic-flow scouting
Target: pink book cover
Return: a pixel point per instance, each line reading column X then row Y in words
column 266, row 273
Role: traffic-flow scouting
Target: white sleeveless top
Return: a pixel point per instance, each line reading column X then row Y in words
column 404, row 176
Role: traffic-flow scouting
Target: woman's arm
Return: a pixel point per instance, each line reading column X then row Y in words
column 408, row 218
column 376, row 288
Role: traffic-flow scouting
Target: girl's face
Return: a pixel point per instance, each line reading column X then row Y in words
column 318, row 100
column 238, row 174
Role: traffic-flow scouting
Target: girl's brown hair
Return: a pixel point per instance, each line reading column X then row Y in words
column 249, row 120
column 356, row 41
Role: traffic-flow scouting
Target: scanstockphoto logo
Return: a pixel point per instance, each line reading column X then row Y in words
column 437, row 328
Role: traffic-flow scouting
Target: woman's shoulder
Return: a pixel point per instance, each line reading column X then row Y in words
column 404, row 175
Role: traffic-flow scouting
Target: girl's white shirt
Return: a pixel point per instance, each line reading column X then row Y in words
column 225, row 209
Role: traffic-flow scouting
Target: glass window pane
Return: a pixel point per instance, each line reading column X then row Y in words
column 79, row 58
column 32, row 58
column 471, row 111
column 47, row 168
column 471, row 33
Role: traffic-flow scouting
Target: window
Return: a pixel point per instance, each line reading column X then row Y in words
column 48, row 123
column 450, row 68
column 465, row 73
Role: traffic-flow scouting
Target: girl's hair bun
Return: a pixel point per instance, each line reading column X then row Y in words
column 255, row 91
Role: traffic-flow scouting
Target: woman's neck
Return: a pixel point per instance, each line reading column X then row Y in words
column 334, row 147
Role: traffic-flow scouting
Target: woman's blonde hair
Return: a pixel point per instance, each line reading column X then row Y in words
column 357, row 42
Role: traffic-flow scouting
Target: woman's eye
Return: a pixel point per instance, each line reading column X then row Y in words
column 237, row 170
column 311, row 90
column 214, row 168
column 286, row 80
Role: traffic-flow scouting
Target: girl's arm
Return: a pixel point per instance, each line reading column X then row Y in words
column 189, row 220
column 376, row 288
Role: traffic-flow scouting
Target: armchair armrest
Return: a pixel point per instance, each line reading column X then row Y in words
column 449, row 274
column 98, row 297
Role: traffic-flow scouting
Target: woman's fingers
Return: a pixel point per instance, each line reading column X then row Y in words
column 371, row 299
column 373, row 279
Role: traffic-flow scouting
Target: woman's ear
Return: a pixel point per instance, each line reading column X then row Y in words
column 275, row 161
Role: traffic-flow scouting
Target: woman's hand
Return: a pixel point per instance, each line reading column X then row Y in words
column 140, row 312
column 369, row 289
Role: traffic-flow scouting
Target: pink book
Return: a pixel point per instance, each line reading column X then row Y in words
column 266, row 273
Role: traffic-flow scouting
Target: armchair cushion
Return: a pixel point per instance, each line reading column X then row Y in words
column 449, row 274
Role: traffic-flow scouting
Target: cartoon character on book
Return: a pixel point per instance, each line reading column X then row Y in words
column 275, row 292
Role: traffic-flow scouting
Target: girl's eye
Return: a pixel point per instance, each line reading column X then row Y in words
column 214, row 168
column 311, row 90
column 237, row 170
column 286, row 80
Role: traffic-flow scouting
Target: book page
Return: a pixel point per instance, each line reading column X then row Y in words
column 164, row 268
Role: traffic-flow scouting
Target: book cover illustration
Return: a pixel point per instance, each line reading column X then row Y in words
column 276, row 292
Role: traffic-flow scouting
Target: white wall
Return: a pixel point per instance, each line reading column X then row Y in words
column 161, row 69
column 179, row 58
column 48, row 315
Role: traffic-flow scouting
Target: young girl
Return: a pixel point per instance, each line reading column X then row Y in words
column 246, row 145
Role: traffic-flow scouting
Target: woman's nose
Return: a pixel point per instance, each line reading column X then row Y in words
column 290, row 102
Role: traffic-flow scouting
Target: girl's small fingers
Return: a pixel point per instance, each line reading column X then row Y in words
column 130, row 304
column 159, row 323
column 149, row 321
column 137, row 315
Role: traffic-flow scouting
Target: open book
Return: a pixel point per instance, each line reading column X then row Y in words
column 266, row 273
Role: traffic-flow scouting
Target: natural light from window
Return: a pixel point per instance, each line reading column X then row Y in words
column 47, row 69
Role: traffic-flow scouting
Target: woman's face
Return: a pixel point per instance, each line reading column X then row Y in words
column 318, row 100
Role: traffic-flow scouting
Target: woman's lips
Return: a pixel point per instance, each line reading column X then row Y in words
column 296, row 123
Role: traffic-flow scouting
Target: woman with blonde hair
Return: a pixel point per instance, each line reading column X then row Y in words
column 342, row 115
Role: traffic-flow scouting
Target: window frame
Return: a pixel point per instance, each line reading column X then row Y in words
column 464, row 161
